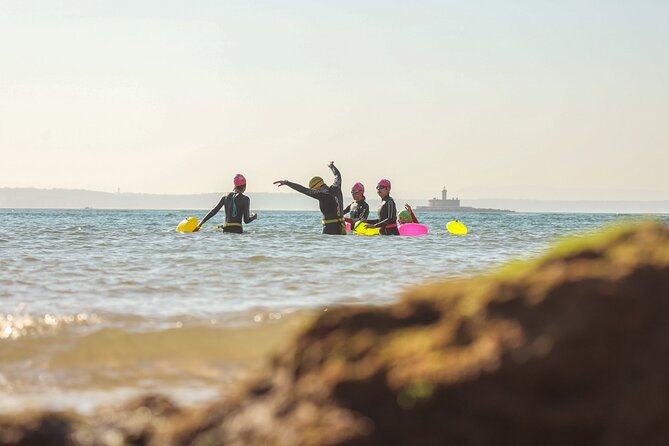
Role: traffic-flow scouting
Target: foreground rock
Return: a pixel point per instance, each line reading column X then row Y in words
column 572, row 349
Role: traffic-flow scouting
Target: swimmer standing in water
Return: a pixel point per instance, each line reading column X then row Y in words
column 329, row 200
column 387, row 221
column 237, row 207
column 359, row 209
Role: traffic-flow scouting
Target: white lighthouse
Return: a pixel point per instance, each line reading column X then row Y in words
column 446, row 204
column 443, row 204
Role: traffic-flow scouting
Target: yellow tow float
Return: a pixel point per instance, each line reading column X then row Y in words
column 456, row 227
column 188, row 224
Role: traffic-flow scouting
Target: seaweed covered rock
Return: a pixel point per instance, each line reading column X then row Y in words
column 571, row 349
column 36, row 428
column 138, row 422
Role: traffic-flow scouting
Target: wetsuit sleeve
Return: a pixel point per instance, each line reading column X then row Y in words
column 392, row 215
column 247, row 210
column 365, row 212
column 413, row 217
column 313, row 193
column 214, row 211
column 347, row 210
column 337, row 175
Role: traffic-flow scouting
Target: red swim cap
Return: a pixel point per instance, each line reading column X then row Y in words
column 383, row 182
column 359, row 187
column 239, row 180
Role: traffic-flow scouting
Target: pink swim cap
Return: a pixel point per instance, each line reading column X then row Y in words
column 239, row 180
column 383, row 182
column 358, row 187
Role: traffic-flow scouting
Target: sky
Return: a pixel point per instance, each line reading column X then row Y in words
column 492, row 99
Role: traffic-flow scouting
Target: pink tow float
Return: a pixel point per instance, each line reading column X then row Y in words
column 412, row 229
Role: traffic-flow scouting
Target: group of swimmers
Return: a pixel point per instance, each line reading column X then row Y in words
column 330, row 202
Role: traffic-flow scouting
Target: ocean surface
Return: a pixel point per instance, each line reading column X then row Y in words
column 97, row 306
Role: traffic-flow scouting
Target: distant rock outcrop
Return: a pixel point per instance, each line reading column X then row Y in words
column 571, row 349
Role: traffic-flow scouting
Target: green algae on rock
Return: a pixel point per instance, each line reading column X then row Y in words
column 568, row 350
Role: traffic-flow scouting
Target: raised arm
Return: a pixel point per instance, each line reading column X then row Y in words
column 413, row 216
column 336, row 173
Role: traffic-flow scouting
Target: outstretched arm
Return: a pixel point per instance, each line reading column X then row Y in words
column 392, row 216
column 313, row 193
column 211, row 213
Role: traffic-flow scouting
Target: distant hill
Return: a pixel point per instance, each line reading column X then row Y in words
column 76, row 199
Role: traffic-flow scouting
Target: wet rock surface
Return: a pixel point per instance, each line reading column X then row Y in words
column 570, row 349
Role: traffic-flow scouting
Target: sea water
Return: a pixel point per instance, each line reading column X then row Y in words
column 99, row 305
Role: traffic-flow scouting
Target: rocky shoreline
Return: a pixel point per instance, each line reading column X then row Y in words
column 568, row 349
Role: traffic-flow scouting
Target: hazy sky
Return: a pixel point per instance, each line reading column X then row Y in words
column 526, row 99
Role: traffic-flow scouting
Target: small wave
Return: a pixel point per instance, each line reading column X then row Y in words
column 259, row 258
column 113, row 357
column 15, row 326
column 120, row 348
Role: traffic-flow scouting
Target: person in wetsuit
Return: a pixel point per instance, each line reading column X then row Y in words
column 359, row 209
column 237, row 207
column 406, row 216
column 329, row 198
column 387, row 221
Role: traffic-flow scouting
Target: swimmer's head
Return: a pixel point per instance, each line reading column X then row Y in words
column 316, row 182
column 404, row 217
column 383, row 184
column 239, row 180
column 383, row 188
column 357, row 190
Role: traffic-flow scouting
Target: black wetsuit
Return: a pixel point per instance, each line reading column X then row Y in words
column 336, row 189
column 359, row 210
column 236, row 208
column 387, row 221
column 329, row 201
